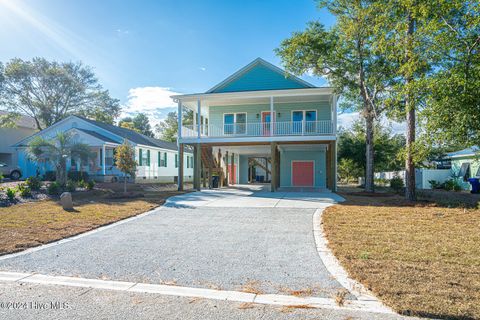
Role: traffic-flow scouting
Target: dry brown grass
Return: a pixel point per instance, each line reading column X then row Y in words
column 246, row 305
column 31, row 224
column 420, row 259
column 340, row 296
column 307, row 292
column 252, row 286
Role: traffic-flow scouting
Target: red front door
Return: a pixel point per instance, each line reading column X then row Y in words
column 267, row 122
column 232, row 174
column 302, row 173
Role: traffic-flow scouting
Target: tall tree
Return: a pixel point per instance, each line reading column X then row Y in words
column 345, row 56
column 405, row 29
column 456, row 84
column 351, row 148
column 139, row 123
column 167, row 129
column 49, row 91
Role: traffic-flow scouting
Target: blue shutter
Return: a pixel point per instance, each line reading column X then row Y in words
column 140, row 157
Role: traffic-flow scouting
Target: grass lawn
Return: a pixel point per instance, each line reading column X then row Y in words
column 35, row 223
column 420, row 259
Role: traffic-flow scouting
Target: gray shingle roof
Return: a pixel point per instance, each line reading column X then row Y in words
column 133, row 136
column 97, row 135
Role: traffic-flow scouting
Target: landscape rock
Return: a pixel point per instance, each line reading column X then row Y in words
column 66, row 201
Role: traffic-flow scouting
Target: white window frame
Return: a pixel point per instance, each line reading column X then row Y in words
column 234, row 123
column 304, row 112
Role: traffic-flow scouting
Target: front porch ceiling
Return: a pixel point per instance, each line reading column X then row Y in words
column 265, row 150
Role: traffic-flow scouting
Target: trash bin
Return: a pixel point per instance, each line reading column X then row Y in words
column 475, row 182
column 215, row 181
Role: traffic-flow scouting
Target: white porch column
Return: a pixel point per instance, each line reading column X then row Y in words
column 103, row 161
column 272, row 119
column 179, row 116
column 199, row 117
column 334, row 115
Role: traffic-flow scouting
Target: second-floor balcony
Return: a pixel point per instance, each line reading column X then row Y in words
column 260, row 129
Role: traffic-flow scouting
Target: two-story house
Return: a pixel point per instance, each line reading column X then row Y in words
column 263, row 112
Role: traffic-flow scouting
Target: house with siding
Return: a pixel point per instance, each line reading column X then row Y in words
column 262, row 112
column 465, row 165
column 157, row 160
column 24, row 127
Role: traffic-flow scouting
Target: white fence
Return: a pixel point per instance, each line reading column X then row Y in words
column 422, row 176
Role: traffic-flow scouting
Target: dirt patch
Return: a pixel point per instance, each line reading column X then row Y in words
column 420, row 258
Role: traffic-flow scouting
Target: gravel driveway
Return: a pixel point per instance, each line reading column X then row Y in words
column 269, row 250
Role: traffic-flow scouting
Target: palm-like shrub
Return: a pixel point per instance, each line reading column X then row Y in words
column 57, row 150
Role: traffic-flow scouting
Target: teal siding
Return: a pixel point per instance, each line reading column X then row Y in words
column 283, row 112
column 243, row 169
column 258, row 78
column 474, row 166
column 286, row 158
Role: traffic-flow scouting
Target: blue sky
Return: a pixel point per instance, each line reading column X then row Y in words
column 143, row 51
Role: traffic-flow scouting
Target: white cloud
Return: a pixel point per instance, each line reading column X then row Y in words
column 203, row 68
column 155, row 102
column 346, row 120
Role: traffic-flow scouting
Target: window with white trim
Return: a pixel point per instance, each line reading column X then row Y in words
column 235, row 123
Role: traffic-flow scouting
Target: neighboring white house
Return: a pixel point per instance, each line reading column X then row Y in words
column 157, row 159
column 25, row 126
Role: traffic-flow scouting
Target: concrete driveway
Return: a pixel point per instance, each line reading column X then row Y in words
column 255, row 196
column 234, row 239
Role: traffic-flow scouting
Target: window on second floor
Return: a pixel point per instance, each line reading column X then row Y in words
column 234, row 123
column 304, row 121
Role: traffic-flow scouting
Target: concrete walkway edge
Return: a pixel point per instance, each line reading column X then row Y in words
column 235, row 296
column 337, row 271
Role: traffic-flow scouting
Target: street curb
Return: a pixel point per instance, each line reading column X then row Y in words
column 235, row 296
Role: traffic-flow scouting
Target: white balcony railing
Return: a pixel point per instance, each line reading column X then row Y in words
column 261, row 129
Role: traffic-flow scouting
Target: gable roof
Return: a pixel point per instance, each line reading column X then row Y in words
column 132, row 135
column 260, row 75
column 97, row 135
column 120, row 132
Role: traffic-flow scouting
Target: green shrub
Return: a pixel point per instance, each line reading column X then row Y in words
column 396, row 183
column 50, row 176
column 452, row 184
column 11, row 194
column 25, row 190
column 54, row 188
column 90, row 185
column 78, row 175
column 82, row 184
column 71, row 186
column 34, row 183
column 434, row 184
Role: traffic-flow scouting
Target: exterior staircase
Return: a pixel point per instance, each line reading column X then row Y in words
column 209, row 161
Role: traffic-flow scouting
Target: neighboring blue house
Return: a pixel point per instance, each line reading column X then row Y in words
column 261, row 112
column 157, row 160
